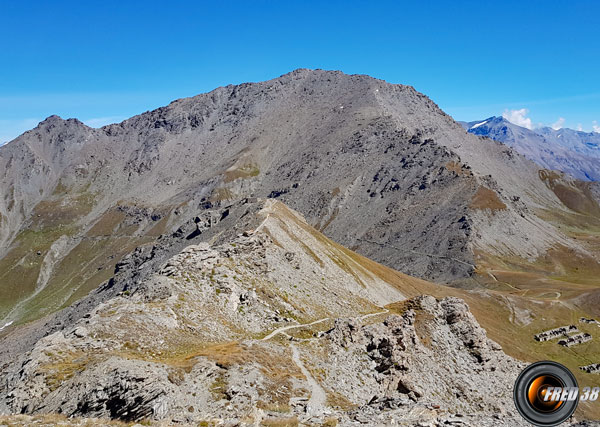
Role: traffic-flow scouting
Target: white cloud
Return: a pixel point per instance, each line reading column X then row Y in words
column 98, row 122
column 579, row 127
column 595, row 126
column 518, row 117
column 559, row 123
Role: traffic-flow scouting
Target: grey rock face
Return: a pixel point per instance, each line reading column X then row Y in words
column 435, row 353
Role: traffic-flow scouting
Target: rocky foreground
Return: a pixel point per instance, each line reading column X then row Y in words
column 431, row 364
column 276, row 325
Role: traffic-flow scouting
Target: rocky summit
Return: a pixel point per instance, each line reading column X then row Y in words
column 317, row 249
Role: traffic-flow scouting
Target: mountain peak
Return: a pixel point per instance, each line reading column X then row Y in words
column 51, row 120
column 55, row 120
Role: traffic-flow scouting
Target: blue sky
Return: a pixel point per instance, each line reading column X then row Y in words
column 104, row 61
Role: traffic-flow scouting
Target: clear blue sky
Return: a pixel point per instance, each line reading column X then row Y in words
column 109, row 60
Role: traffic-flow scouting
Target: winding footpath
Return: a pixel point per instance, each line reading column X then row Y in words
column 302, row 325
column 287, row 328
column 316, row 404
column 318, row 397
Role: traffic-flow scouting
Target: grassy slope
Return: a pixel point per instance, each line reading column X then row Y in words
column 87, row 264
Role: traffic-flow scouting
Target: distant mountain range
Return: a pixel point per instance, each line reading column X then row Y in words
column 574, row 152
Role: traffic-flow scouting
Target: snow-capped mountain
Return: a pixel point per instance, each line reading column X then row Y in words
column 574, row 152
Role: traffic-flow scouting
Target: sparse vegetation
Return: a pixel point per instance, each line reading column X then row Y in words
column 244, row 172
column 63, row 367
column 280, row 422
column 485, row 198
column 46, row 420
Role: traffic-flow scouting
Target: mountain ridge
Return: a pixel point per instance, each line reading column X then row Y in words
column 336, row 147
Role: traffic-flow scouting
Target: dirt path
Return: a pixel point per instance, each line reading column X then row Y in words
column 366, row 316
column 419, row 253
column 287, row 328
column 318, row 397
column 6, row 325
column 262, row 224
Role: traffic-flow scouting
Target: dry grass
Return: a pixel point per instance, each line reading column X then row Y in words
column 458, row 168
column 64, row 367
column 283, row 408
column 225, row 355
column 561, row 268
column 246, row 171
column 107, row 224
column 576, row 195
column 280, row 422
column 62, row 211
column 485, row 198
